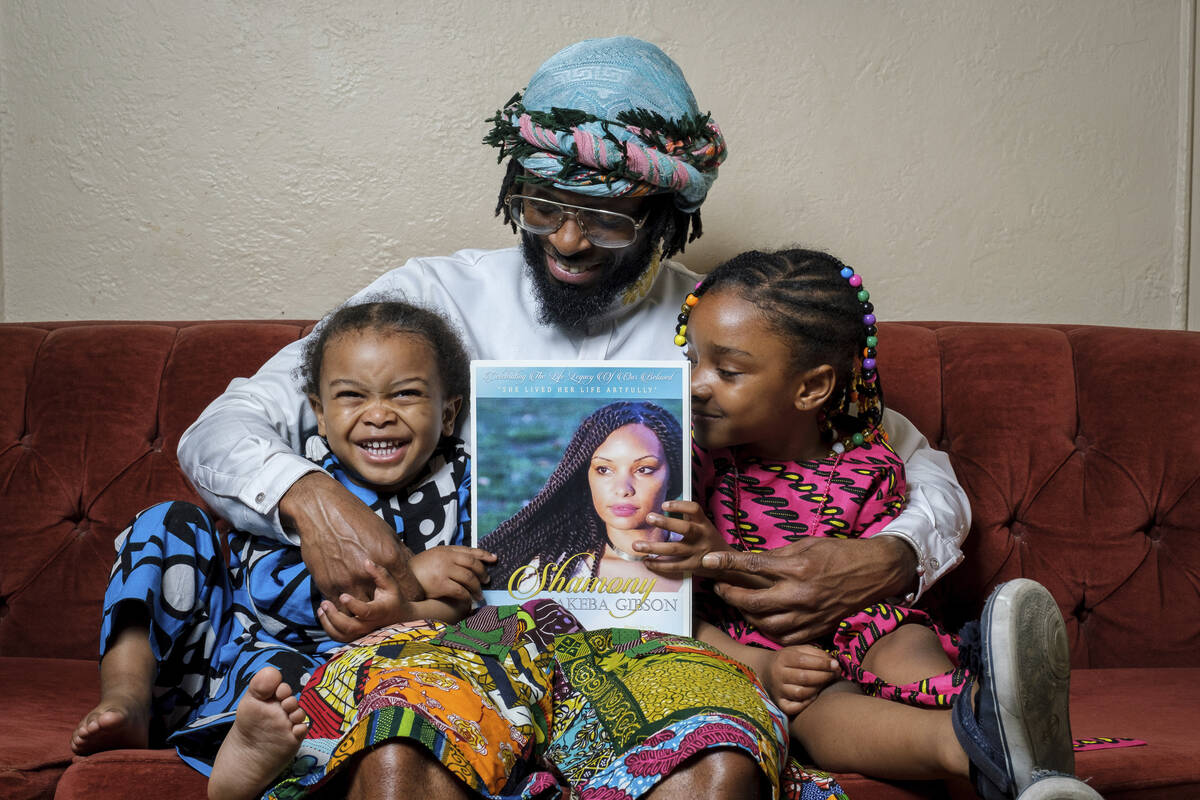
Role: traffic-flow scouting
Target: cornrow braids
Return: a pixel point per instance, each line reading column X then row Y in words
column 667, row 223
column 816, row 303
column 391, row 316
column 560, row 520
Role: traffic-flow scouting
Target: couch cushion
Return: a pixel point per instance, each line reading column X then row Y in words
column 135, row 773
column 56, row 693
column 43, row 700
column 1158, row 706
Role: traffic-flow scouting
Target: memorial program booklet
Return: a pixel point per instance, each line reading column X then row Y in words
column 569, row 458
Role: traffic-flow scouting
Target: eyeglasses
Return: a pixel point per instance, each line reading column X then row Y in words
column 602, row 228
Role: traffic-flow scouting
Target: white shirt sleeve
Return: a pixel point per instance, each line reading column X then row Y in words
column 243, row 452
column 937, row 516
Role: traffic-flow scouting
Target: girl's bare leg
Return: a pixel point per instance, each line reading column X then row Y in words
column 122, row 717
column 908, row 654
column 846, row 731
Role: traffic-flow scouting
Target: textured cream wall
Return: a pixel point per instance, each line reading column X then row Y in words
column 1022, row 161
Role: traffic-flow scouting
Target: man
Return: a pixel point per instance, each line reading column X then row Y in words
column 609, row 163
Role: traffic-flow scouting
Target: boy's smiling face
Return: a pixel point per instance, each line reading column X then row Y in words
column 381, row 406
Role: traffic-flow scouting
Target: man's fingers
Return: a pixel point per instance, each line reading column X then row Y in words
column 738, row 561
column 750, row 601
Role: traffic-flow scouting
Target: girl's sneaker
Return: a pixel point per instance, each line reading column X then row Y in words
column 1020, row 724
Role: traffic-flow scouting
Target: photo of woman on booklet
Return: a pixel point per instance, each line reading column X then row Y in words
column 622, row 462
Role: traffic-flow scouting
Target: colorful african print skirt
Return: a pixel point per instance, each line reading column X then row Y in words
column 520, row 702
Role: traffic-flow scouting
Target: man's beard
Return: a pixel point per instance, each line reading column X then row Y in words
column 573, row 307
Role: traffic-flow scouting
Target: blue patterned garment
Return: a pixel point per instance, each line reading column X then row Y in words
column 212, row 628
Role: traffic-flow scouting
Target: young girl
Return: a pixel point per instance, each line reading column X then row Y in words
column 184, row 638
column 786, row 409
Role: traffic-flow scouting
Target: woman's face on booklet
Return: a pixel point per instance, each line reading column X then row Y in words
column 628, row 477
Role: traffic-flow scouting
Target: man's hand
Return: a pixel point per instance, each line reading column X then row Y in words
column 339, row 534
column 452, row 572
column 814, row 583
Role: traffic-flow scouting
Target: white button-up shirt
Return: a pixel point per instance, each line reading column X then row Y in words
column 245, row 450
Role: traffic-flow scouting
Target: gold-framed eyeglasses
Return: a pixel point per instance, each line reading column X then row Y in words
column 602, row 228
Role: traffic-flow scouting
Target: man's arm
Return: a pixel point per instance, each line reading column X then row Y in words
column 245, row 450
column 937, row 516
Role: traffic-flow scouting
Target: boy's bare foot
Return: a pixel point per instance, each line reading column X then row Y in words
column 115, row 723
column 266, row 733
column 122, row 717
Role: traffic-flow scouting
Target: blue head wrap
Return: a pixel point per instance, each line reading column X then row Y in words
column 609, row 118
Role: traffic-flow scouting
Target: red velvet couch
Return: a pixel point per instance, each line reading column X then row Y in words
column 1077, row 445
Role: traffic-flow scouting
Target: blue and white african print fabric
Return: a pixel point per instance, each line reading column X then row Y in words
column 212, row 627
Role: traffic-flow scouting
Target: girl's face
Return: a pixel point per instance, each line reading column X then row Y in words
column 744, row 382
column 628, row 477
column 381, row 406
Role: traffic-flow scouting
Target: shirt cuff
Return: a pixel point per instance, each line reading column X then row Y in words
column 263, row 492
column 932, row 563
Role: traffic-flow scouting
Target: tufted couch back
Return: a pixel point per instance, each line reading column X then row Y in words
column 1077, row 446
column 90, row 416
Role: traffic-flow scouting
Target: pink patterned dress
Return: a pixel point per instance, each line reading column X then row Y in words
column 764, row 505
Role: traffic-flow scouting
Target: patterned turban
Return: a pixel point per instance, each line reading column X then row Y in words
column 611, row 118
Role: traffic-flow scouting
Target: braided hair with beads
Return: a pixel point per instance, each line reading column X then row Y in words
column 560, row 520
column 818, row 304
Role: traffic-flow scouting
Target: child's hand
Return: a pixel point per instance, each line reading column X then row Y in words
column 452, row 572
column 796, row 676
column 386, row 607
column 682, row 558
